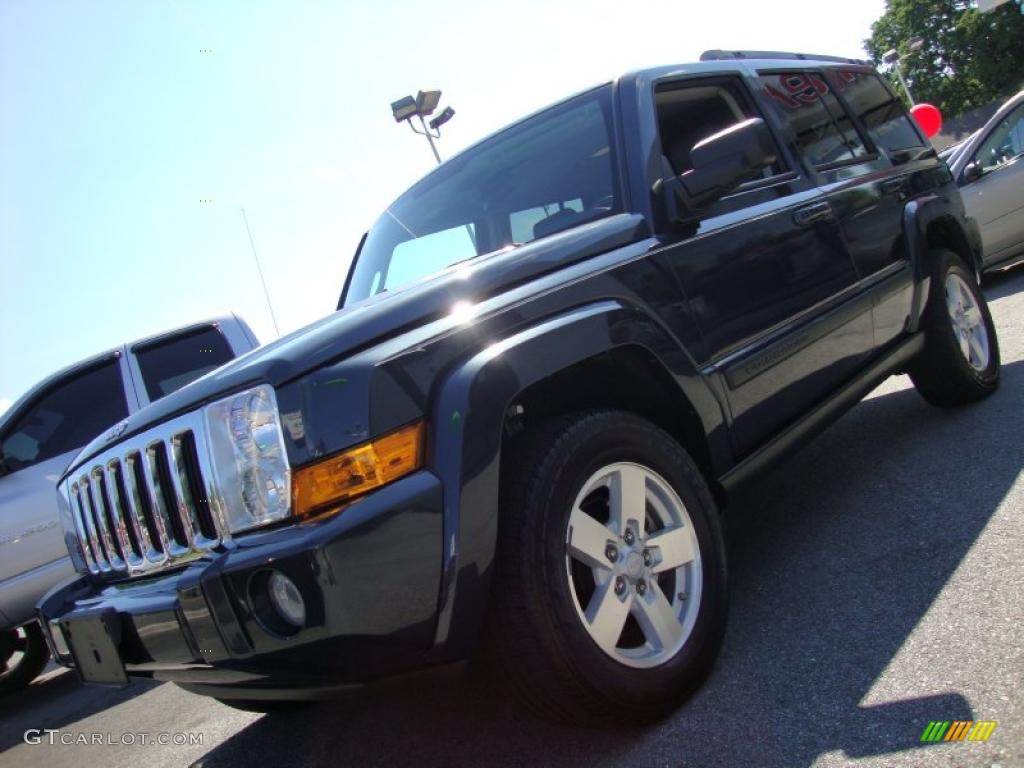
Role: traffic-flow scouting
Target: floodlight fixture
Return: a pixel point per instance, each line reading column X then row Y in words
column 446, row 114
column 404, row 108
column 407, row 108
column 426, row 102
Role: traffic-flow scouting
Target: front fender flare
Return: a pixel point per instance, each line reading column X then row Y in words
column 468, row 415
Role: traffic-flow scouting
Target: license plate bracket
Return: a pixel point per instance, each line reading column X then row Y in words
column 93, row 642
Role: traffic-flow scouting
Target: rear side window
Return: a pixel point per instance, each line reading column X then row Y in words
column 824, row 133
column 170, row 365
column 66, row 417
column 881, row 113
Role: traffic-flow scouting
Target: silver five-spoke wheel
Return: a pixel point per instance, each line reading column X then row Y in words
column 634, row 565
column 968, row 323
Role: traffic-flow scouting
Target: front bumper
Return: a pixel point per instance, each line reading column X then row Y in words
column 370, row 577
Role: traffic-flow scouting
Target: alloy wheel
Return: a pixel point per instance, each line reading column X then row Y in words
column 634, row 565
column 968, row 322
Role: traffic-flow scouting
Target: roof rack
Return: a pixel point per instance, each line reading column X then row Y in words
column 717, row 55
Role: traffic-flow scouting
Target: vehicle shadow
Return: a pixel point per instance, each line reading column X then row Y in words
column 836, row 556
column 56, row 700
column 998, row 285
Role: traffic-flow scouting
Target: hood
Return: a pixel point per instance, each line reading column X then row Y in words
column 374, row 320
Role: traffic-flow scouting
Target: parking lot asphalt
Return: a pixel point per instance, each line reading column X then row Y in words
column 877, row 585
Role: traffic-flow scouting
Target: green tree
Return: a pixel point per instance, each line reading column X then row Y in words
column 968, row 58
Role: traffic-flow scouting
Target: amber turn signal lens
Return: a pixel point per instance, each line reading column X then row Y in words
column 341, row 478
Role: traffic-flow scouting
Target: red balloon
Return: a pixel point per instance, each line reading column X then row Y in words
column 928, row 117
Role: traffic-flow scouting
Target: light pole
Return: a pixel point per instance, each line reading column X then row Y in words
column 406, row 108
column 893, row 57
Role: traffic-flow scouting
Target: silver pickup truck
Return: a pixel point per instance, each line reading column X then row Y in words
column 43, row 431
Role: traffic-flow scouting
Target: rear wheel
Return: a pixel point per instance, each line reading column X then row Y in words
column 23, row 655
column 610, row 600
column 960, row 362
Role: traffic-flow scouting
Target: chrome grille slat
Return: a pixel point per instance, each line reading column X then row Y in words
column 156, row 555
column 111, row 477
column 92, row 521
column 135, row 507
column 101, row 508
column 84, row 539
column 158, row 502
column 188, row 510
column 217, row 516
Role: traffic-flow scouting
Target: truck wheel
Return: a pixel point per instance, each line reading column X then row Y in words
column 23, row 655
column 611, row 587
column 960, row 360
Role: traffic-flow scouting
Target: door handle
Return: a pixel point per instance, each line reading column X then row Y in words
column 811, row 213
column 892, row 185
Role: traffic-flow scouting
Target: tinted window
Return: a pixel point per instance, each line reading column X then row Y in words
column 170, row 365
column 66, row 417
column 1004, row 143
column 494, row 191
column 881, row 113
column 824, row 133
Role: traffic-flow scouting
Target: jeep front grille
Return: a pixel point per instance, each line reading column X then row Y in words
column 147, row 503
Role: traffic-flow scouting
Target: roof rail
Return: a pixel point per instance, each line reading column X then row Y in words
column 717, row 55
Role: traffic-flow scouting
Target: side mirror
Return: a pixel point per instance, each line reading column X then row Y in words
column 721, row 162
column 972, row 172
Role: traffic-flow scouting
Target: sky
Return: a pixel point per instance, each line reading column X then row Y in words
column 119, row 120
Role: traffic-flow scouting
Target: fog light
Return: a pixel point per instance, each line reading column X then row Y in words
column 285, row 598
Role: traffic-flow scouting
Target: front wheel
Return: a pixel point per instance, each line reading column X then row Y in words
column 960, row 361
column 610, row 597
column 23, row 655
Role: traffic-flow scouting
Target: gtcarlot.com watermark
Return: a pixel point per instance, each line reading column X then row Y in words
column 55, row 736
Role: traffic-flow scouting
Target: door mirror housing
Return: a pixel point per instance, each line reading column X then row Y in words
column 972, row 172
column 721, row 162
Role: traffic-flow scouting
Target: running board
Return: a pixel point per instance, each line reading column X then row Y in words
column 817, row 420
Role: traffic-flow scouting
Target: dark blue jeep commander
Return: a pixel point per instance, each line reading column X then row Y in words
column 554, row 359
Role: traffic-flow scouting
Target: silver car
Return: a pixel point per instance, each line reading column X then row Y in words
column 989, row 168
column 45, row 429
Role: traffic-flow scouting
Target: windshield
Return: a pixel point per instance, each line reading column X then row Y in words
column 548, row 173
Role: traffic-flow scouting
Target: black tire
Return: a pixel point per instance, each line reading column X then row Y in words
column 26, row 651
column 266, row 705
column 536, row 639
column 941, row 373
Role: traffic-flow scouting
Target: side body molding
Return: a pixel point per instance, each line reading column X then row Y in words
column 469, row 413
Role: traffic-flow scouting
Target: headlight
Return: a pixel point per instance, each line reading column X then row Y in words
column 248, row 456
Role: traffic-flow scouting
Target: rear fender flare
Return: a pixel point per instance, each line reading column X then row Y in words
column 918, row 215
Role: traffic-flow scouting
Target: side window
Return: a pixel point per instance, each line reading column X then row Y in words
column 692, row 110
column 824, row 133
column 1004, row 143
column 170, row 365
column 880, row 111
column 66, row 417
